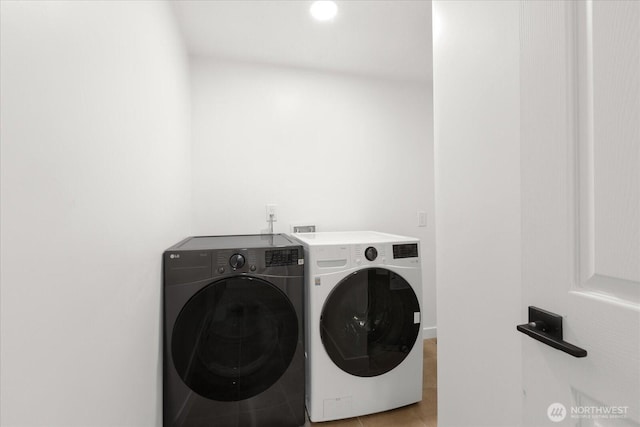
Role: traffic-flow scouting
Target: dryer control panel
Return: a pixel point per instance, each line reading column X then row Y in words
column 367, row 254
column 407, row 250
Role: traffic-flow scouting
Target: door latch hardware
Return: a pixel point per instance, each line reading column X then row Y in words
column 546, row 327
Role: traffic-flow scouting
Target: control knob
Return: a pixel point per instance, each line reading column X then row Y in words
column 371, row 253
column 236, row 261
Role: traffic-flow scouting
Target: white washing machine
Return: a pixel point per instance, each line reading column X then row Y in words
column 363, row 323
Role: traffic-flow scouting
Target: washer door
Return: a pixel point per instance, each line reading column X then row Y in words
column 234, row 338
column 370, row 322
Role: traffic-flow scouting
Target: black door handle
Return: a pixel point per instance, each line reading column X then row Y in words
column 546, row 327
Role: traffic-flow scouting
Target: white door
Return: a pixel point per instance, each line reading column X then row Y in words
column 537, row 141
column 580, row 178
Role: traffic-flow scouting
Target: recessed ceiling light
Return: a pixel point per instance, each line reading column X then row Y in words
column 324, row 10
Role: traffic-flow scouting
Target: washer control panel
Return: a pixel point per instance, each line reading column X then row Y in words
column 236, row 261
column 281, row 257
column 250, row 260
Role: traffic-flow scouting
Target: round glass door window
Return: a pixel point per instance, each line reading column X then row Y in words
column 369, row 322
column 234, row 338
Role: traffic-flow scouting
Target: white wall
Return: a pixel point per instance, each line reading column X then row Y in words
column 95, row 120
column 477, row 151
column 339, row 151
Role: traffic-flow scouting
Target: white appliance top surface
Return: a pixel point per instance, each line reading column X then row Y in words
column 350, row 238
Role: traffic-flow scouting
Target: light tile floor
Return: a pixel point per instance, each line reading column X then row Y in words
column 421, row 414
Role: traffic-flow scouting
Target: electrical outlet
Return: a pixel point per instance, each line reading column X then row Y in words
column 272, row 212
column 422, row 219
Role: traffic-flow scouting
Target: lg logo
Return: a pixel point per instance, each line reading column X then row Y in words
column 556, row 412
column 173, row 256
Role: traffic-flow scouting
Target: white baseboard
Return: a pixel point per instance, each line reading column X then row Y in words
column 429, row 332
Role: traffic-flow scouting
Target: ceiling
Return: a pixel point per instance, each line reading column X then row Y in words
column 385, row 38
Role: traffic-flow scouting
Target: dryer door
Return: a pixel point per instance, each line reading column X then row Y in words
column 370, row 322
column 234, row 338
